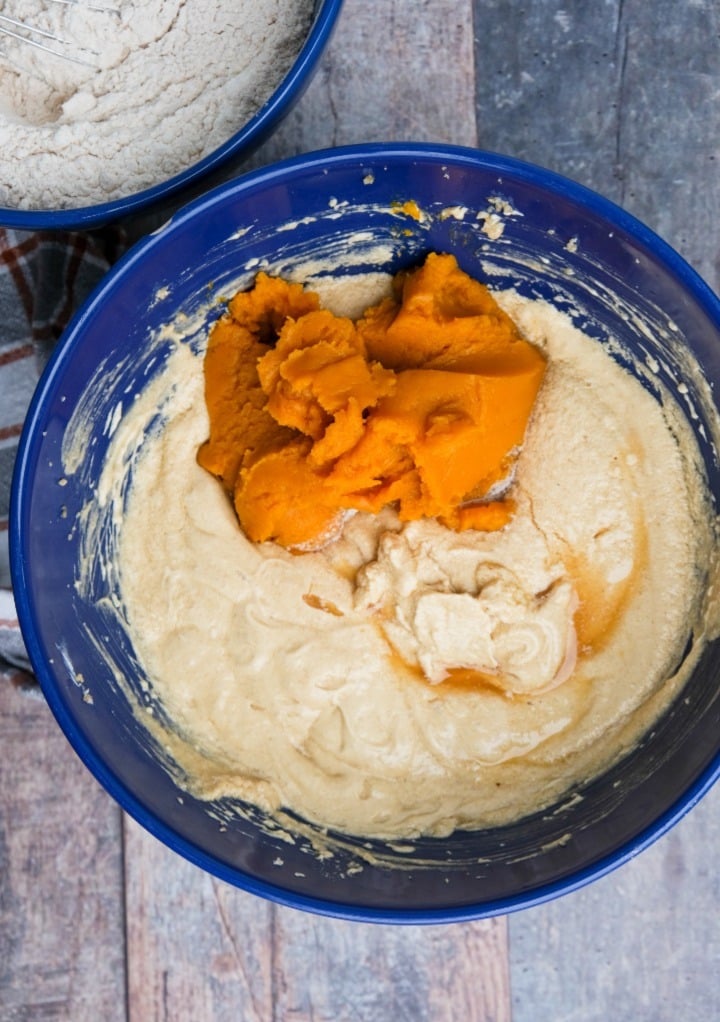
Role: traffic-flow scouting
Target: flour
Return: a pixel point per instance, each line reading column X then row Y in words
column 167, row 83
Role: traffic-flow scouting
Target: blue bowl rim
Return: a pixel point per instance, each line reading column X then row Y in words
column 408, row 153
column 246, row 139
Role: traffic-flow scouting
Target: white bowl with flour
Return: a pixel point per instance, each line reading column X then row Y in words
column 140, row 101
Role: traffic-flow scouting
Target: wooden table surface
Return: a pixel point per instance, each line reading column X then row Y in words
column 100, row 922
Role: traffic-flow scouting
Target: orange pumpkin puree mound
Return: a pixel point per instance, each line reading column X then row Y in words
column 422, row 403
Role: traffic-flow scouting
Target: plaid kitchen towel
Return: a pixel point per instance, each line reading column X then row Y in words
column 44, row 277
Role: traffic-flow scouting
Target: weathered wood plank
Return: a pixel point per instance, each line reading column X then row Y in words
column 61, row 920
column 398, row 70
column 669, row 125
column 642, row 943
column 622, row 96
column 197, row 948
column 548, row 82
column 331, row 970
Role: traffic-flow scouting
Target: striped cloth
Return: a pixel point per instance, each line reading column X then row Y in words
column 44, row 276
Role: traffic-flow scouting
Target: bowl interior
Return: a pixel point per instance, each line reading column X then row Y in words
column 347, row 208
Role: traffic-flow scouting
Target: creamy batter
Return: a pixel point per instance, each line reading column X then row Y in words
column 335, row 683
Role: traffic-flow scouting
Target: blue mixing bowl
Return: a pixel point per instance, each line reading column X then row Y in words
column 558, row 241
column 180, row 188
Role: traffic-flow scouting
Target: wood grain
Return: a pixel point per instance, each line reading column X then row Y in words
column 549, row 83
column 197, row 948
column 200, row 949
column 399, row 70
column 61, row 906
column 669, row 126
column 642, row 943
column 334, row 970
column 623, row 97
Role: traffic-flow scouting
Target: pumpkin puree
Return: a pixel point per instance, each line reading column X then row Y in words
column 422, row 403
